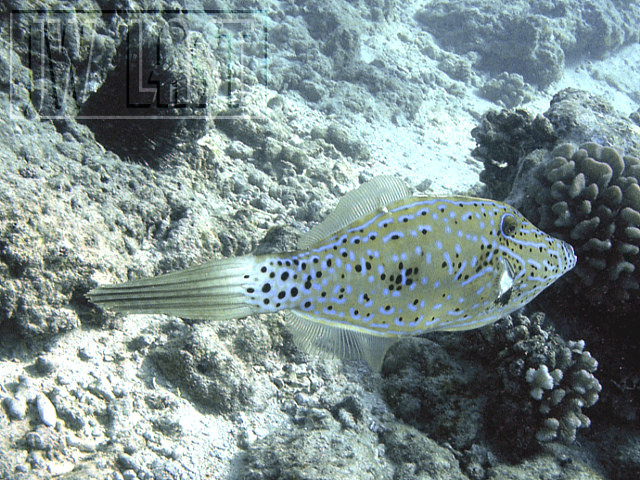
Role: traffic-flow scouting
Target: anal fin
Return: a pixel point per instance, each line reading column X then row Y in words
column 315, row 335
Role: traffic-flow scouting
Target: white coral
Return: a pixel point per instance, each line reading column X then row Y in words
column 540, row 380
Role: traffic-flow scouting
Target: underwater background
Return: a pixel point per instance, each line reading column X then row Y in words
column 139, row 138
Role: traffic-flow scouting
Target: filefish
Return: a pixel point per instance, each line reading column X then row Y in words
column 382, row 266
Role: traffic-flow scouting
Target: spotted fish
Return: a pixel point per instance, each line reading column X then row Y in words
column 382, row 266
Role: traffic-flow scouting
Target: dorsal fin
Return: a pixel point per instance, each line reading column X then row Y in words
column 368, row 197
column 314, row 335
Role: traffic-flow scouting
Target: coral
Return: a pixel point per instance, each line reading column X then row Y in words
column 544, row 384
column 515, row 383
column 541, row 380
column 502, row 138
column 589, row 196
column 507, row 89
column 549, row 389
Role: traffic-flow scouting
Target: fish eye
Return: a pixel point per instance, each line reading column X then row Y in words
column 508, row 224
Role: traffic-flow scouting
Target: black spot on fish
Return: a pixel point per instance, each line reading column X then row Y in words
column 294, row 292
column 250, row 290
column 281, row 295
column 266, row 287
column 284, row 276
column 263, row 269
column 503, row 299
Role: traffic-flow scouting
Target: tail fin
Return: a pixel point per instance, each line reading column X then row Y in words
column 214, row 290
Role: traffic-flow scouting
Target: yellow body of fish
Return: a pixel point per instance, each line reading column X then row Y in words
column 383, row 265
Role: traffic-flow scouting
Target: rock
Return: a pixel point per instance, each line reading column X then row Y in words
column 46, row 410
column 16, row 407
column 532, row 40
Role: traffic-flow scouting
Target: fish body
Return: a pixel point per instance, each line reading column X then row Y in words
column 383, row 265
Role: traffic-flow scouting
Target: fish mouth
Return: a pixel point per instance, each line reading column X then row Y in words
column 569, row 256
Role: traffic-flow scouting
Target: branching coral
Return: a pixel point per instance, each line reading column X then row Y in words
column 589, row 196
column 545, row 383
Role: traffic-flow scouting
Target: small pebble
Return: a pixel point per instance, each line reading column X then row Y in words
column 83, row 354
column 25, row 389
column 16, row 407
column 44, row 365
column 346, row 419
column 129, row 475
column 46, row 410
column 127, row 462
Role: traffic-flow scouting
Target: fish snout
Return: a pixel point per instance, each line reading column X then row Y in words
column 569, row 256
